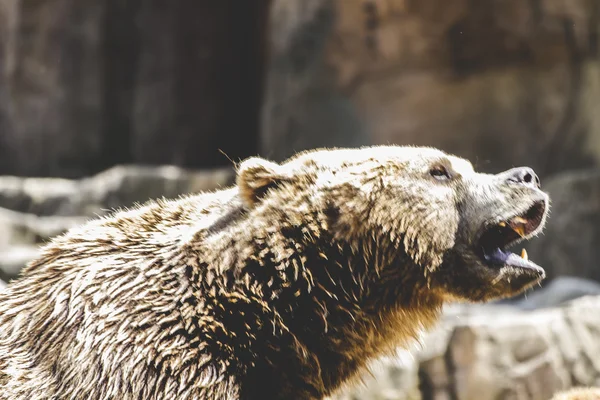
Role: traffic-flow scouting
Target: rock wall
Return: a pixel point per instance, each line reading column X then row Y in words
column 87, row 84
column 512, row 355
column 501, row 83
column 570, row 243
column 494, row 353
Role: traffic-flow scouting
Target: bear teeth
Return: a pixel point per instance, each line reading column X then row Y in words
column 518, row 224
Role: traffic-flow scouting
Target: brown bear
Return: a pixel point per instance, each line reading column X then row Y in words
column 283, row 286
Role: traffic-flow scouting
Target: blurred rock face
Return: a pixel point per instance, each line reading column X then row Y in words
column 500, row 83
column 88, row 84
column 570, row 243
column 35, row 210
column 493, row 353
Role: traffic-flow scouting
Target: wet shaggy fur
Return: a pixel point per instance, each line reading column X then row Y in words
column 283, row 286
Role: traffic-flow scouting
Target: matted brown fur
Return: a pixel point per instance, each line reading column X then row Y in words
column 283, row 286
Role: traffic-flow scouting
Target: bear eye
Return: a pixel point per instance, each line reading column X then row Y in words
column 439, row 172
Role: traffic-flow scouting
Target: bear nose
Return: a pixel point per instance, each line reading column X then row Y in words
column 523, row 175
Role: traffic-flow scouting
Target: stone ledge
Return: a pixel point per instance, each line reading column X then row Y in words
column 494, row 353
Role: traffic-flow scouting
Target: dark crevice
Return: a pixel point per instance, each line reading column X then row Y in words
column 120, row 64
column 246, row 91
column 219, row 73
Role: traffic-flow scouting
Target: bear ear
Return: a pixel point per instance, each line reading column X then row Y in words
column 256, row 176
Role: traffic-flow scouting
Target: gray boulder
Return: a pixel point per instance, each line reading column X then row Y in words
column 518, row 355
column 120, row 186
column 21, row 234
column 390, row 378
column 494, row 352
column 15, row 258
column 17, row 228
column 34, row 210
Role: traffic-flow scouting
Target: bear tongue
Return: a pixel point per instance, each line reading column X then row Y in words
column 522, row 262
column 497, row 256
column 505, row 257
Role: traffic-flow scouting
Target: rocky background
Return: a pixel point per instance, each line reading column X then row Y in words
column 106, row 103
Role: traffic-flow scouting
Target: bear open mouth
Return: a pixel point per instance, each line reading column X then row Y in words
column 492, row 244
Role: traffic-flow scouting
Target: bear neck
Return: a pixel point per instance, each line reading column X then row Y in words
column 328, row 305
